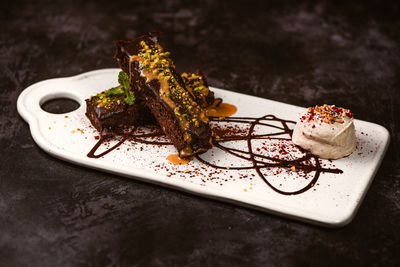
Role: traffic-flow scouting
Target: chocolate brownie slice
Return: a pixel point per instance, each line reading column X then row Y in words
column 156, row 82
column 111, row 115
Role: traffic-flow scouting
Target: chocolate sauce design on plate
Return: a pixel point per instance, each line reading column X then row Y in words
column 131, row 135
column 92, row 152
column 258, row 161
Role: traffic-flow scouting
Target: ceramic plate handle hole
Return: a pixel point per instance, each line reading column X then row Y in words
column 60, row 105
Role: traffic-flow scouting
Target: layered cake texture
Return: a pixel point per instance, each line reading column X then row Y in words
column 196, row 84
column 115, row 111
column 156, row 83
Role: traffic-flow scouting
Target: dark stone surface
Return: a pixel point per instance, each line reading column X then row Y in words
column 300, row 52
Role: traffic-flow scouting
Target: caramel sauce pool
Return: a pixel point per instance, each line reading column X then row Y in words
column 224, row 109
column 175, row 159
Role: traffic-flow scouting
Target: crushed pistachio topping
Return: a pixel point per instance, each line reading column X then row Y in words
column 107, row 101
column 154, row 61
column 326, row 113
column 195, row 84
column 116, row 95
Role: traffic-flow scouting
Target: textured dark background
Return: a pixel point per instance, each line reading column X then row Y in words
column 300, row 52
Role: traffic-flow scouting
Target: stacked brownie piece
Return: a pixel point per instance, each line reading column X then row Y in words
column 177, row 102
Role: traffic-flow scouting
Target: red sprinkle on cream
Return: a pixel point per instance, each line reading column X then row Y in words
column 326, row 113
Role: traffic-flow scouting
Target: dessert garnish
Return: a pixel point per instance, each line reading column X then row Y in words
column 277, row 153
column 114, row 111
column 222, row 110
column 183, row 107
column 196, row 84
column 176, row 160
column 326, row 131
column 327, row 114
column 114, row 95
column 155, row 80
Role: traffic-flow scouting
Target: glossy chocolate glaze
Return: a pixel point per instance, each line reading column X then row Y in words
column 118, row 117
column 176, row 111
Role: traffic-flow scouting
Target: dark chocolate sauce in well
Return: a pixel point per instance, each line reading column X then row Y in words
column 307, row 163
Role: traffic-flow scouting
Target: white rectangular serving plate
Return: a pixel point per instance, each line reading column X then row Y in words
column 332, row 201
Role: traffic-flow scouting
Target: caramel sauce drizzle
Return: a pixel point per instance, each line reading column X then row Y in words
column 221, row 110
column 176, row 160
column 155, row 64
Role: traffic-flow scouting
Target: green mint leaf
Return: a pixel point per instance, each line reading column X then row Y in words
column 114, row 91
column 130, row 98
column 123, row 80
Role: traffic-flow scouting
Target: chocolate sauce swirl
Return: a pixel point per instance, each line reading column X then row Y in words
column 92, row 152
column 307, row 163
column 259, row 161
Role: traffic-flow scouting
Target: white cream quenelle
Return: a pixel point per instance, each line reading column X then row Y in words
column 326, row 131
